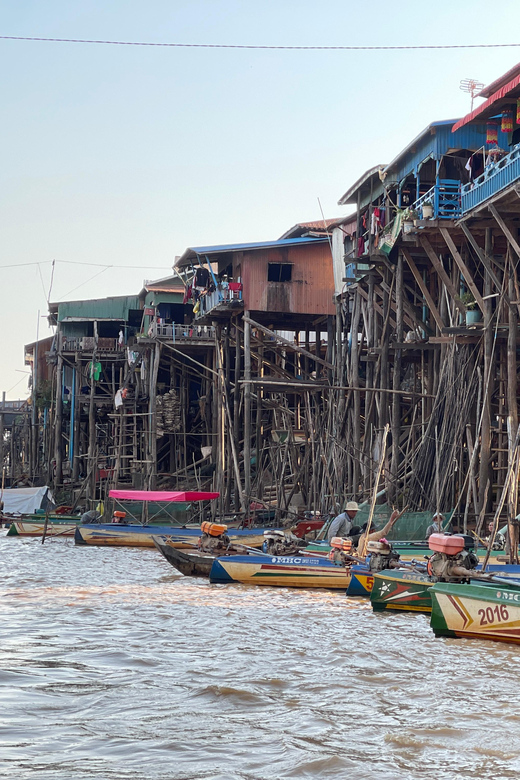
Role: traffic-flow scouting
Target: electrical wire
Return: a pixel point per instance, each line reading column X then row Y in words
column 86, row 282
column 95, row 265
column 261, row 46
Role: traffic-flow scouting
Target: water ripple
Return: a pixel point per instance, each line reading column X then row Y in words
column 114, row 667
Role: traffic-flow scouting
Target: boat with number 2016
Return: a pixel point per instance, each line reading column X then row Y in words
column 476, row 611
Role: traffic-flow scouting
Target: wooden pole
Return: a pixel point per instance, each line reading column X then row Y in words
column 396, row 378
column 374, row 492
column 247, row 407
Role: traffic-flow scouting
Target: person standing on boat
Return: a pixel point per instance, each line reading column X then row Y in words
column 436, row 526
column 342, row 524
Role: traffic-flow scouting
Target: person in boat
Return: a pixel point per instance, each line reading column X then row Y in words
column 342, row 524
column 496, row 541
column 437, row 526
column 375, row 536
column 92, row 516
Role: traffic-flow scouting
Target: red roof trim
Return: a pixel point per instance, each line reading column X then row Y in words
column 501, row 93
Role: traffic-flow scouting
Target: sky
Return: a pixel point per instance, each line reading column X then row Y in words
column 126, row 155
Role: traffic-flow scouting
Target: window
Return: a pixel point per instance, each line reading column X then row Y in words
column 279, row 272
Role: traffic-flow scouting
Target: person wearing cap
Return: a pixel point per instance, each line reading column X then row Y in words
column 342, row 524
column 436, row 526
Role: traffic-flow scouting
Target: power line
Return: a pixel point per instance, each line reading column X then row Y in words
column 261, row 46
column 96, row 265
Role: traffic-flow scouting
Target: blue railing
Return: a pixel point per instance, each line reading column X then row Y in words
column 496, row 177
column 445, row 199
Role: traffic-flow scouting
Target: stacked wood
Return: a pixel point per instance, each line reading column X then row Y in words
column 168, row 411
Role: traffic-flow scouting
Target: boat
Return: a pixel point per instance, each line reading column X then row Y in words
column 476, row 610
column 34, row 525
column 123, row 534
column 453, row 560
column 192, row 563
column 288, row 571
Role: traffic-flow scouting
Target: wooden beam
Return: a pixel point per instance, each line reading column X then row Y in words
column 377, row 307
column 463, row 268
column 505, row 230
column 442, row 273
column 481, row 255
column 426, row 293
column 287, row 343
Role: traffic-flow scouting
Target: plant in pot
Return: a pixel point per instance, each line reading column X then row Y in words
column 427, row 210
column 473, row 314
column 407, row 219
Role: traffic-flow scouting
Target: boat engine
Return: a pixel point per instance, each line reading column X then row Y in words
column 281, row 542
column 214, row 538
column 450, row 560
column 341, row 551
column 382, row 556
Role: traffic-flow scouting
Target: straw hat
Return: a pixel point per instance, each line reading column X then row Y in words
column 352, row 506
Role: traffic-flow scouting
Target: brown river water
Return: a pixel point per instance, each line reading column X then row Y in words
column 114, row 666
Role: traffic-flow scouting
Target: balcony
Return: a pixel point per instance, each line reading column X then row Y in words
column 445, row 199
column 88, row 343
column 181, row 334
column 222, row 299
column 496, row 177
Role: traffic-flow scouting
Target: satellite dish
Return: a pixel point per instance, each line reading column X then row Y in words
column 472, row 87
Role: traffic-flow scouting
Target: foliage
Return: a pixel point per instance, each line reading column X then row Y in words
column 44, row 394
column 468, row 300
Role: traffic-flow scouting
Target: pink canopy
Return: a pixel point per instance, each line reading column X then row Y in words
column 161, row 495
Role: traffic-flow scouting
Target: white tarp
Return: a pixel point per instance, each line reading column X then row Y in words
column 24, row 501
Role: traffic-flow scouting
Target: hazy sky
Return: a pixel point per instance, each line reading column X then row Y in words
column 126, row 155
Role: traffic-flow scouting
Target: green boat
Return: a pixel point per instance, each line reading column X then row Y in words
column 479, row 611
column 401, row 590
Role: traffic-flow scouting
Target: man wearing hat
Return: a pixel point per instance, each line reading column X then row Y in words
column 342, row 524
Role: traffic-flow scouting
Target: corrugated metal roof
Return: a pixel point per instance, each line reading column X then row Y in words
column 194, row 251
column 349, row 195
column 417, row 140
column 500, row 82
column 511, row 91
column 319, row 226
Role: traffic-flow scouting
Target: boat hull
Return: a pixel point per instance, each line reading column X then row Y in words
column 476, row 611
column 361, row 582
column 191, row 564
column 114, row 535
column 280, row 571
column 408, row 591
column 36, row 528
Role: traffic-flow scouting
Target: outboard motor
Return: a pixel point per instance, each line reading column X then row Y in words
column 278, row 542
column 214, row 538
column 451, row 561
column 381, row 556
column 341, row 552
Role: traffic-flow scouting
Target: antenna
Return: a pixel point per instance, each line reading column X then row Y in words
column 472, row 87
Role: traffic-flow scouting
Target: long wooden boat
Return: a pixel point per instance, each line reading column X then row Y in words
column 191, row 564
column 409, row 591
column 476, row 611
column 288, row 571
column 115, row 535
column 33, row 525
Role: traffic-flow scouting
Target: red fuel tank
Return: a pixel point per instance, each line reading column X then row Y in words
column 450, row 545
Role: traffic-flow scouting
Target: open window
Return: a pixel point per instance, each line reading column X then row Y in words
column 279, row 272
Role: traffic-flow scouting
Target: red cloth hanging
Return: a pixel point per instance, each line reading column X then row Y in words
column 518, row 111
column 492, row 133
column 507, row 120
